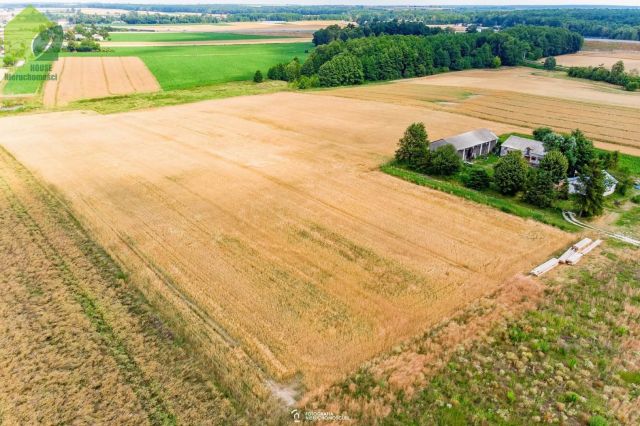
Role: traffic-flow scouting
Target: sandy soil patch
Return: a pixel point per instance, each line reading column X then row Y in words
column 593, row 59
column 268, row 215
column 86, row 78
column 204, row 42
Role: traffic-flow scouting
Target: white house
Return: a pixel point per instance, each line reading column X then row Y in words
column 98, row 37
column 78, row 36
column 531, row 149
column 610, row 184
column 469, row 145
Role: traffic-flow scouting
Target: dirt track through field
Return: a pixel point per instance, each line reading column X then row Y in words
column 269, row 215
column 97, row 77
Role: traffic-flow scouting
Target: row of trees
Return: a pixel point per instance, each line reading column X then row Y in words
column 542, row 186
column 391, row 57
column 375, row 28
column 616, row 75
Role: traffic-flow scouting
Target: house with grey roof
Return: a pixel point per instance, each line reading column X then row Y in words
column 469, row 145
column 532, row 150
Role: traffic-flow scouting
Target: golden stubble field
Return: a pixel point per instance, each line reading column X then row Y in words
column 85, row 78
column 631, row 59
column 264, row 227
column 521, row 97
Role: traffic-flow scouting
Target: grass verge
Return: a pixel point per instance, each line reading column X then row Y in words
column 174, row 97
column 555, row 364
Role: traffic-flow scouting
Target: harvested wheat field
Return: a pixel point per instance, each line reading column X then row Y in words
column 281, row 241
column 593, row 59
column 98, row 77
column 77, row 343
column 511, row 96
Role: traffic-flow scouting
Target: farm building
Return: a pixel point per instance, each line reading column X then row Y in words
column 531, row 149
column 610, row 184
column 469, row 145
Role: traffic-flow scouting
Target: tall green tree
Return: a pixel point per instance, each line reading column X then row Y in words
column 539, row 188
column 556, row 164
column 413, row 147
column 343, row 69
column 591, row 185
column 510, row 173
column 584, row 150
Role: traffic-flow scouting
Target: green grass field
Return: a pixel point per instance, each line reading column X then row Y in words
column 182, row 67
column 186, row 36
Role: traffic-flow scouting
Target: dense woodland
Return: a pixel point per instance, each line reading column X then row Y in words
column 390, row 57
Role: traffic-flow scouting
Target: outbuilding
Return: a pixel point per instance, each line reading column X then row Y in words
column 532, row 150
column 469, row 145
column 610, row 184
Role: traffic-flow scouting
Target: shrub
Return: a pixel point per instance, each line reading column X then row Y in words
column 550, row 63
column 257, row 77
column 277, row 72
column 632, row 86
column 496, row 62
column 305, row 82
column 510, row 173
column 444, row 161
column 597, row 421
column 477, row 179
column 635, row 199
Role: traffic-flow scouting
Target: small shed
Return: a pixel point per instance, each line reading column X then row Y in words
column 532, row 150
column 469, row 145
column 610, row 184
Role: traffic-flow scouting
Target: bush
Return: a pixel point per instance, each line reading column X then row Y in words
column 277, row 72
column 477, row 179
column 510, row 173
column 550, row 63
column 496, row 62
column 305, row 82
column 444, row 161
column 632, row 86
column 597, row 421
column 635, row 199
column 257, row 77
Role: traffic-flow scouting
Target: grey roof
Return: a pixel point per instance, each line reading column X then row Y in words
column 521, row 144
column 466, row 140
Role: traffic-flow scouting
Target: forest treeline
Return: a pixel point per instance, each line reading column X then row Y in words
column 390, row 57
column 376, row 28
column 616, row 75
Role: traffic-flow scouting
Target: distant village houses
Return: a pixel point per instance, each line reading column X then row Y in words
column 469, row 145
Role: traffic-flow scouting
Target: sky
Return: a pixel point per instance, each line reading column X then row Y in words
column 359, row 2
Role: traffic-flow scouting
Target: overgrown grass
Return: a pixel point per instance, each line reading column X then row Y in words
column 505, row 204
column 182, row 67
column 629, row 218
column 627, row 161
column 552, row 365
column 174, row 97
